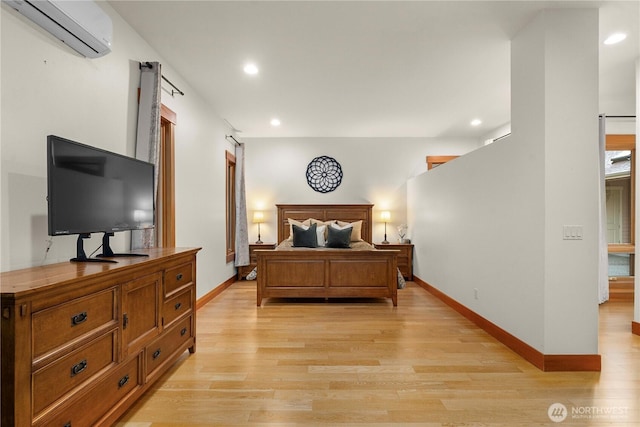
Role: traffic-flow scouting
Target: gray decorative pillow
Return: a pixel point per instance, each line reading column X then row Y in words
column 305, row 238
column 339, row 238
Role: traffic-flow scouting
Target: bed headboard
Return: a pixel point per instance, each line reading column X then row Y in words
column 347, row 213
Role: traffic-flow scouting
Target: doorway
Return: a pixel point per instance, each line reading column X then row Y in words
column 620, row 211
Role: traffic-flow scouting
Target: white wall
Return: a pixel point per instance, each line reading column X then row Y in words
column 375, row 171
column 492, row 220
column 48, row 88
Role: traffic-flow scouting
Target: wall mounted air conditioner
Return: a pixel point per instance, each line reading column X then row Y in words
column 80, row 24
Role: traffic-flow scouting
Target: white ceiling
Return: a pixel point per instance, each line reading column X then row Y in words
column 365, row 69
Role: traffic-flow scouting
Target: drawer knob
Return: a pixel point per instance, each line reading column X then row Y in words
column 183, row 331
column 79, row 318
column 123, row 381
column 179, row 276
column 156, row 354
column 79, row 367
column 68, row 424
column 177, row 306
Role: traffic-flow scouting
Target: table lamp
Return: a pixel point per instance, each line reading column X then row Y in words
column 386, row 217
column 258, row 218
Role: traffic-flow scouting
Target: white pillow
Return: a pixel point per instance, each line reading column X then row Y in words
column 320, row 230
column 316, row 221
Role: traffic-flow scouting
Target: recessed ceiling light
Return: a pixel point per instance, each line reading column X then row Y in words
column 615, row 38
column 251, row 69
column 275, row 122
column 476, row 122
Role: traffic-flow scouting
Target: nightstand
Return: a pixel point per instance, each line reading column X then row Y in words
column 405, row 257
column 253, row 261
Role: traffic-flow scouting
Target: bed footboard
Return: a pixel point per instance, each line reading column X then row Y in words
column 327, row 274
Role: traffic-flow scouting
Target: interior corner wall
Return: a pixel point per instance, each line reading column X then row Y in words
column 375, row 170
column 489, row 225
column 47, row 88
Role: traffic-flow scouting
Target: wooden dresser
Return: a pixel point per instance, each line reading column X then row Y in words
column 82, row 341
column 405, row 257
column 253, row 260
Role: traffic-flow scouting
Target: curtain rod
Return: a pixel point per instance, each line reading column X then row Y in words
column 231, row 137
column 620, row 117
column 173, row 92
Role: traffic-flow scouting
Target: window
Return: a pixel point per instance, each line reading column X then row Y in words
column 231, row 206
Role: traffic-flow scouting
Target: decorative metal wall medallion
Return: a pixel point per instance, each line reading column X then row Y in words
column 324, row 174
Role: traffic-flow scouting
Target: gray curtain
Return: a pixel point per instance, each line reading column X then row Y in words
column 242, row 233
column 148, row 138
column 603, row 261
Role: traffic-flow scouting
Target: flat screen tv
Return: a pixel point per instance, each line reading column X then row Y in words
column 90, row 190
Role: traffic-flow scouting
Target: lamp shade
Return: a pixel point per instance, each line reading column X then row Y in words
column 385, row 216
column 258, row 217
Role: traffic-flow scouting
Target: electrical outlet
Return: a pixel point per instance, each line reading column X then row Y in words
column 476, row 293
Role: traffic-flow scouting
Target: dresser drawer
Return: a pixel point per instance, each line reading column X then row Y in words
column 62, row 376
column 170, row 341
column 56, row 326
column 176, row 307
column 107, row 393
column 177, row 277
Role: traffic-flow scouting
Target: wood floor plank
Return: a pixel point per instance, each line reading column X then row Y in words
column 366, row 363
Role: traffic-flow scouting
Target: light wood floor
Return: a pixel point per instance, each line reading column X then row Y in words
column 370, row 364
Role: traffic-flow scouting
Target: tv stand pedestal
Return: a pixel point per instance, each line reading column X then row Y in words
column 107, row 252
column 92, row 334
column 81, row 256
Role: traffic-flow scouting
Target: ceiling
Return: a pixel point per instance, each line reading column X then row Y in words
column 365, row 69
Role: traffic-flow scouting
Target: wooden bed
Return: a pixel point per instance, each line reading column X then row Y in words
column 326, row 273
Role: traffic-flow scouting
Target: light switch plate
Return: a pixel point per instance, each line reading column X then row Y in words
column 572, row 232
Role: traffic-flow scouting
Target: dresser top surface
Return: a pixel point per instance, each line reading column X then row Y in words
column 17, row 282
